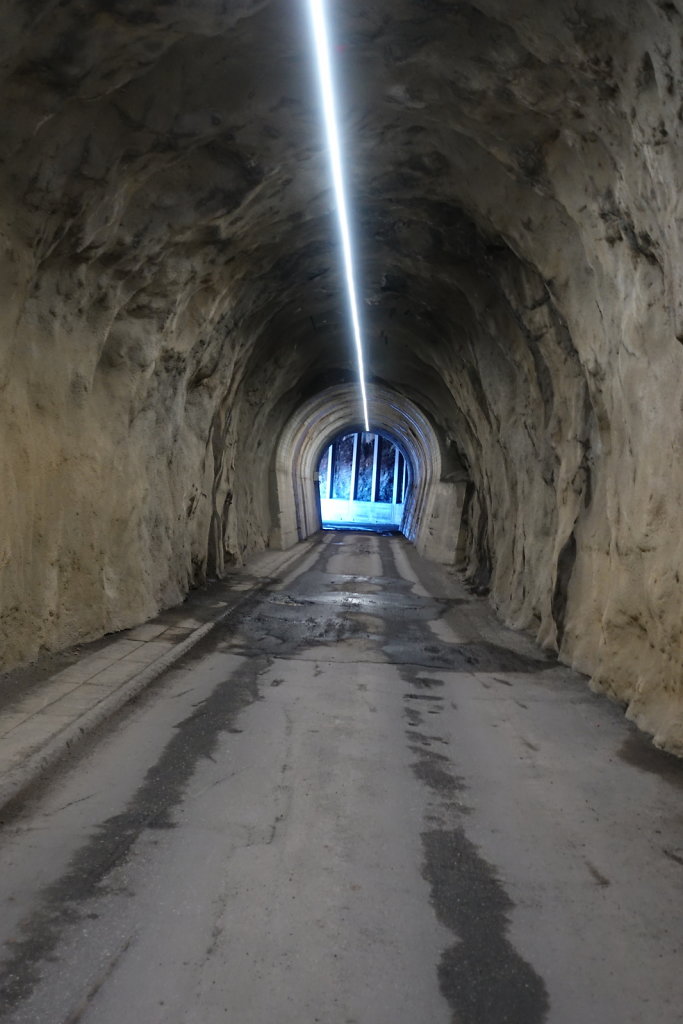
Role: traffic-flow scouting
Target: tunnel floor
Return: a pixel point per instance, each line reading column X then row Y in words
column 381, row 528
column 360, row 801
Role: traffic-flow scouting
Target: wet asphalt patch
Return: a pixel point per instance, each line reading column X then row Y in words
column 434, row 770
column 70, row 899
column 427, row 682
column 481, row 976
column 639, row 752
column 306, row 616
column 418, row 648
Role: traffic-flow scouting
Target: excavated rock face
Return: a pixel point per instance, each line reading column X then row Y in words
column 171, row 295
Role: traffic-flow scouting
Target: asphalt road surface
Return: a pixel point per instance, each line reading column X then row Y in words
column 360, row 801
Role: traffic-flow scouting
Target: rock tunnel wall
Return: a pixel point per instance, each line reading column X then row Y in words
column 171, row 297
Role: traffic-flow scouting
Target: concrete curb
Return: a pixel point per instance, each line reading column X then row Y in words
column 18, row 779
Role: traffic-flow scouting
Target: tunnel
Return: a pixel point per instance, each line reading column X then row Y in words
column 432, row 510
column 175, row 348
column 258, row 764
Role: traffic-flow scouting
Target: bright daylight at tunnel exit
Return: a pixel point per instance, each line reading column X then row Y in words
column 341, row 618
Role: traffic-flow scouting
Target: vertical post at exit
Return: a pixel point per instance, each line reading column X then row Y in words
column 395, row 490
column 354, row 469
column 329, row 473
column 375, row 468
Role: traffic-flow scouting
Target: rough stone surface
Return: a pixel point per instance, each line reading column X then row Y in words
column 170, row 296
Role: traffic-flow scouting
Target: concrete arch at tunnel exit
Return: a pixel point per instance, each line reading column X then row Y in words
column 432, row 519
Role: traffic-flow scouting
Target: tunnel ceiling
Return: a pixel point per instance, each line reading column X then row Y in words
column 171, row 295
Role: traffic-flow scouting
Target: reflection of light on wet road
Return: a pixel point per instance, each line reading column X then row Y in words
column 357, row 601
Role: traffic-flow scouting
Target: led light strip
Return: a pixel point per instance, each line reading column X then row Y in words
column 322, row 51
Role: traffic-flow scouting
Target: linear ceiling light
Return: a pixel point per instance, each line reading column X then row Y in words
column 322, row 51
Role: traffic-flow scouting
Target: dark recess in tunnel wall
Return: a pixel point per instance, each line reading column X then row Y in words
column 481, row 564
column 565, row 567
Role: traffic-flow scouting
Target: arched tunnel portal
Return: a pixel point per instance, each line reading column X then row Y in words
column 434, row 505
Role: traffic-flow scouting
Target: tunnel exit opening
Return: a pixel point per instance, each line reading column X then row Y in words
column 431, row 503
column 363, row 479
